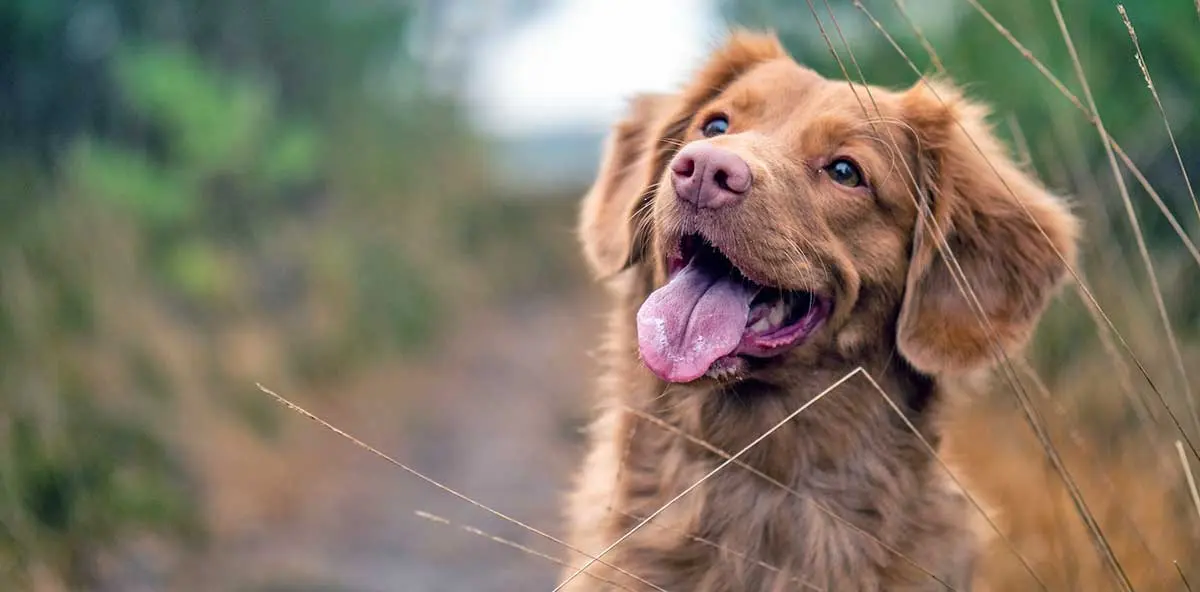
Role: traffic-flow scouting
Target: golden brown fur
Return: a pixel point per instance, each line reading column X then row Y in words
column 855, row 475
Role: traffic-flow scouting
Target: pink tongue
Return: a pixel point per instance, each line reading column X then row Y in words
column 694, row 320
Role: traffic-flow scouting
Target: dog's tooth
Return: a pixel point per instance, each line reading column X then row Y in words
column 761, row 325
column 778, row 313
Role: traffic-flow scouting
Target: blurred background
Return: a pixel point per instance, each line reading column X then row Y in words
column 368, row 206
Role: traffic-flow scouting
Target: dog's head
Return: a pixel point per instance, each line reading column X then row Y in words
column 778, row 213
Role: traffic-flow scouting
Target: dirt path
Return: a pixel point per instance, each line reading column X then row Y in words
column 494, row 415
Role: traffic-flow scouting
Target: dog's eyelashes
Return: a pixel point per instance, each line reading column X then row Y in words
column 715, row 126
column 845, row 172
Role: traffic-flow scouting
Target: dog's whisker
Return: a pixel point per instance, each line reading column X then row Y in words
column 644, row 224
column 430, row 480
column 805, row 263
column 708, row 475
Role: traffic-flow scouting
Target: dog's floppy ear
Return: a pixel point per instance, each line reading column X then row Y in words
column 985, row 208
column 607, row 225
column 612, row 226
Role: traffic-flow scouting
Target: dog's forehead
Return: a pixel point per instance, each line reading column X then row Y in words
column 775, row 80
column 784, row 89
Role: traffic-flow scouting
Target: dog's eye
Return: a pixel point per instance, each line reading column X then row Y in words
column 715, row 126
column 844, row 172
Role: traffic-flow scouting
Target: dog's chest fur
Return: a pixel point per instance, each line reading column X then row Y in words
column 741, row 531
column 829, row 501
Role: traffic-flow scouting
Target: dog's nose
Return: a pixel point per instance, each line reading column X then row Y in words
column 709, row 177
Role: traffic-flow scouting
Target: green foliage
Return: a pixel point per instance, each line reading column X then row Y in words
column 228, row 161
column 156, row 197
column 518, row 244
column 173, row 157
column 403, row 308
column 70, row 493
column 217, row 125
column 76, row 476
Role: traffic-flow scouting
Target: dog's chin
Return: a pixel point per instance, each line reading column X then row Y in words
column 711, row 321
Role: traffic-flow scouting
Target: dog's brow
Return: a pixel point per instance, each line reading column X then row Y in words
column 827, row 132
column 746, row 98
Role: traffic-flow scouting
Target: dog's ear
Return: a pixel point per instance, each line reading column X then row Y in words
column 1010, row 238
column 607, row 224
column 612, row 222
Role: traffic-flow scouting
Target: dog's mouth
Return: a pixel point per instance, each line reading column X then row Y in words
column 709, row 316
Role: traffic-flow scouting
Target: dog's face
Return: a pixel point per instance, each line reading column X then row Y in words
column 779, row 215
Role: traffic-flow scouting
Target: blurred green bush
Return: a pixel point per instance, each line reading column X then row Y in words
column 207, row 165
column 227, row 162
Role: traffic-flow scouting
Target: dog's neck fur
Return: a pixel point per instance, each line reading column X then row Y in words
column 814, row 499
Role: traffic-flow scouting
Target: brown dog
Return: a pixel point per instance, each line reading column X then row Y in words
column 761, row 236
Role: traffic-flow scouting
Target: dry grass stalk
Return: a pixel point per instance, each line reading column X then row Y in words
column 512, row 544
column 1027, row 517
column 709, row 475
column 1191, row 479
column 302, row 411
